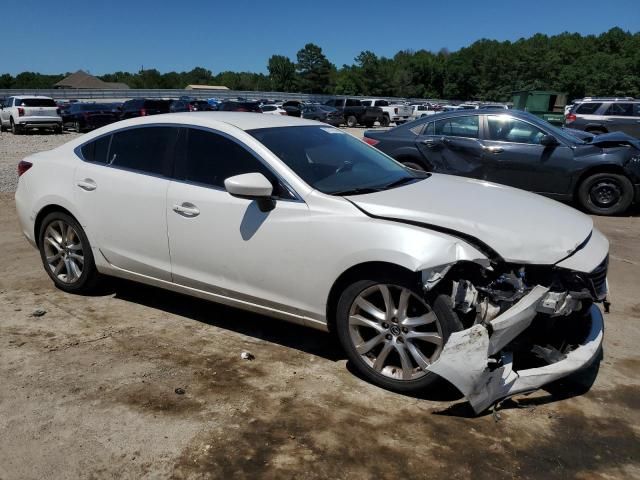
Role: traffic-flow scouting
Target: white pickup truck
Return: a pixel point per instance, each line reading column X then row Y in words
column 398, row 113
column 22, row 112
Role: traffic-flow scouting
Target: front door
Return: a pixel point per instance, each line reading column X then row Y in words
column 226, row 245
column 513, row 156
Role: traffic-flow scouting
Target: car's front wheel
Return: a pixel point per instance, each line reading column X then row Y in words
column 66, row 253
column 606, row 194
column 352, row 121
column 391, row 333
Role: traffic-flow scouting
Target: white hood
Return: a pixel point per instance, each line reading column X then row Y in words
column 520, row 226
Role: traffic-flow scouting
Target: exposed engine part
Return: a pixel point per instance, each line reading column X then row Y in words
column 508, row 287
column 486, row 311
column 464, row 296
column 559, row 304
column 431, row 277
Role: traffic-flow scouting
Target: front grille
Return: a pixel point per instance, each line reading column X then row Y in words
column 598, row 279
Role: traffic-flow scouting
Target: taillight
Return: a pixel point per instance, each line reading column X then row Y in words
column 20, row 111
column 370, row 141
column 143, row 112
column 191, row 108
column 23, row 166
column 395, row 110
column 283, row 113
column 571, row 117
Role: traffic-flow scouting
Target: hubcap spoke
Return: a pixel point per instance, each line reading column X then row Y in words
column 431, row 337
column 382, row 356
column 407, row 368
column 403, row 303
column 425, row 319
column 53, row 242
column 371, row 309
column 53, row 258
column 357, row 320
column 370, row 344
column 420, row 359
column 388, row 301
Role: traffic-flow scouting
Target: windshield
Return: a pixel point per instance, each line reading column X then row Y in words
column 333, row 161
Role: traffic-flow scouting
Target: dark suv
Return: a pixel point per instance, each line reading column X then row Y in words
column 141, row 107
column 604, row 115
column 601, row 172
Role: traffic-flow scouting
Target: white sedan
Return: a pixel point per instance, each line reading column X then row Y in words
column 419, row 274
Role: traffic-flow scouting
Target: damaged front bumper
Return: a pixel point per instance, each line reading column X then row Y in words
column 479, row 361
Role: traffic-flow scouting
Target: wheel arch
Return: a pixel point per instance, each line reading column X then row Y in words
column 602, row 168
column 359, row 272
column 51, row 208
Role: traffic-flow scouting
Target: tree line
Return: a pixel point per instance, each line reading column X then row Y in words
column 605, row 64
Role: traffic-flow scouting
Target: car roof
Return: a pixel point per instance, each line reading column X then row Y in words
column 241, row 120
column 25, row 97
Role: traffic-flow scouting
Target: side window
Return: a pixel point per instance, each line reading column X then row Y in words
column 504, row 128
column 458, row 127
column 430, row 130
column 620, row 110
column 588, row 108
column 97, row 150
column 210, row 159
column 351, row 102
column 382, row 103
column 143, row 149
column 331, row 103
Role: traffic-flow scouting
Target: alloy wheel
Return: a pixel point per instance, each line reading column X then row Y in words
column 394, row 331
column 63, row 251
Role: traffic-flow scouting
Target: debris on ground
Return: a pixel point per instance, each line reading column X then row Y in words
column 38, row 312
column 247, row 356
column 180, row 391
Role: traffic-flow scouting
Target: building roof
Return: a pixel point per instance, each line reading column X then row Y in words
column 206, row 87
column 82, row 79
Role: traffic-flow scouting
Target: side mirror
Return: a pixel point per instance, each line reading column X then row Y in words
column 253, row 186
column 549, row 141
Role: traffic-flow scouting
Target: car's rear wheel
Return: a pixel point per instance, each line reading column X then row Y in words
column 606, row 194
column 66, row 253
column 352, row 121
column 392, row 334
column 384, row 121
column 77, row 127
column 15, row 129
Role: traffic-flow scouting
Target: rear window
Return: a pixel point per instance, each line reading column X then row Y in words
column 35, row 102
column 97, row 150
column 620, row 110
column 159, row 104
column 458, row 127
column 588, row 108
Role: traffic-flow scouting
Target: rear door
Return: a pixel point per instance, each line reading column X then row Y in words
column 512, row 155
column 121, row 188
column 452, row 145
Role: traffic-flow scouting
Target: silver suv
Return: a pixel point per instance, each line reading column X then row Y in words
column 604, row 115
column 26, row 112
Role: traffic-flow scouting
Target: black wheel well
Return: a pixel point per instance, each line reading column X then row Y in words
column 360, row 272
column 42, row 214
column 617, row 169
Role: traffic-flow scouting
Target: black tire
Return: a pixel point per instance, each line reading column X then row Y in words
column 441, row 306
column 89, row 277
column 15, row 129
column 384, row 121
column 352, row 121
column 605, row 194
column 57, row 130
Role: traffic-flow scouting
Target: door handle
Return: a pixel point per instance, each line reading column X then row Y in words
column 493, row 149
column 186, row 210
column 87, row 185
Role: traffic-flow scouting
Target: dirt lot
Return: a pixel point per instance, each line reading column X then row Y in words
column 88, row 390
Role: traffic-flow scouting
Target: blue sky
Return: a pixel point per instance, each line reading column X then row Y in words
column 103, row 36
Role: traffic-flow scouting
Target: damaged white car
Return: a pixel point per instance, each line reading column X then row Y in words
column 420, row 275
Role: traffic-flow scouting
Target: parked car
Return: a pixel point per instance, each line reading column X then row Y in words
column 190, row 105
column 398, row 113
column 495, row 294
column 602, row 115
column 24, row 112
column 419, row 111
column 239, row 106
column 322, row 113
column 271, row 109
column 87, row 116
column 293, row 108
column 521, row 150
column 355, row 113
column 142, row 107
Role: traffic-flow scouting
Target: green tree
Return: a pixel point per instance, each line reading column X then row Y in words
column 314, row 70
column 282, row 73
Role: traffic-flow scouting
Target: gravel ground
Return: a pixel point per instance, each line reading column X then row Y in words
column 14, row 148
